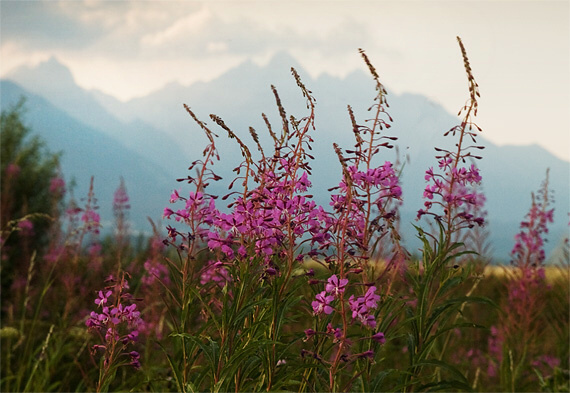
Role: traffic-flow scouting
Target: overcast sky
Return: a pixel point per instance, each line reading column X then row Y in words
column 519, row 50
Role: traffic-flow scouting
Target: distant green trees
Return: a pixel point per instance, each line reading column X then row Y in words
column 30, row 192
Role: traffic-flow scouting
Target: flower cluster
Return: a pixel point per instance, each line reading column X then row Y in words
column 267, row 219
column 322, row 301
column 121, row 207
column 365, row 209
column 383, row 178
column 455, row 189
column 526, row 287
column 362, row 305
column 121, row 198
column 215, row 272
column 117, row 323
column 198, row 213
column 359, row 192
column 57, row 186
column 528, row 250
column 528, row 256
column 26, row 227
column 155, row 271
column 264, row 221
column 91, row 220
column 261, row 222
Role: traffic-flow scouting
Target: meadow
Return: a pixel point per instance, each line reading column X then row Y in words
column 261, row 289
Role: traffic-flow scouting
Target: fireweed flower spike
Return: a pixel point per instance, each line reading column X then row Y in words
column 117, row 323
column 527, row 285
column 57, row 186
column 365, row 206
column 528, row 250
column 270, row 217
column 450, row 194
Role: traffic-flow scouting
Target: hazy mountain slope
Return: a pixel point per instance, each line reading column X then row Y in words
column 54, row 82
column 88, row 152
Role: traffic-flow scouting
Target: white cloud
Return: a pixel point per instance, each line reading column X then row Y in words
column 180, row 29
column 216, row 47
column 14, row 55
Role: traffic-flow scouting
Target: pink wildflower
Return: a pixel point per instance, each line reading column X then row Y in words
column 321, row 304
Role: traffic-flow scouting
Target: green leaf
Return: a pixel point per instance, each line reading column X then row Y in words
column 472, row 299
column 462, row 325
column 210, row 351
column 378, row 380
column 411, row 347
column 174, row 369
column 445, row 386
column 453, row 370
column 450, row 284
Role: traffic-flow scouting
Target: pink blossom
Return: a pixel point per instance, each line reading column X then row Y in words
column 361, row 307
column 321, row 304
column 13, row 170
column 121, row 198
column 91, row 220
column 336, row 286
column 26, row 227
column 57, row 186
column 215, row 272
column 379, row 338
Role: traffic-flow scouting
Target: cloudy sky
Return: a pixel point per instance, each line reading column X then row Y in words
column 519, row 50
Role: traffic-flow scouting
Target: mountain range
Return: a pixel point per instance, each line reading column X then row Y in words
column 151, row 140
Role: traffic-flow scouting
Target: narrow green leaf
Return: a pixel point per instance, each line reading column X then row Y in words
column 445, row 386
column 452, row 369
column 450, row 284
column 174, row 369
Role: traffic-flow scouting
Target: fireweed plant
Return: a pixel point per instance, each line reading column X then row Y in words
column 451, row 198
column 117, row 321
column 516, row 352
column 121, row 208
column 364, row 208
column 241, row 274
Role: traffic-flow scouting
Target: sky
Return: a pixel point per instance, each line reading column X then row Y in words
column 519, row 50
